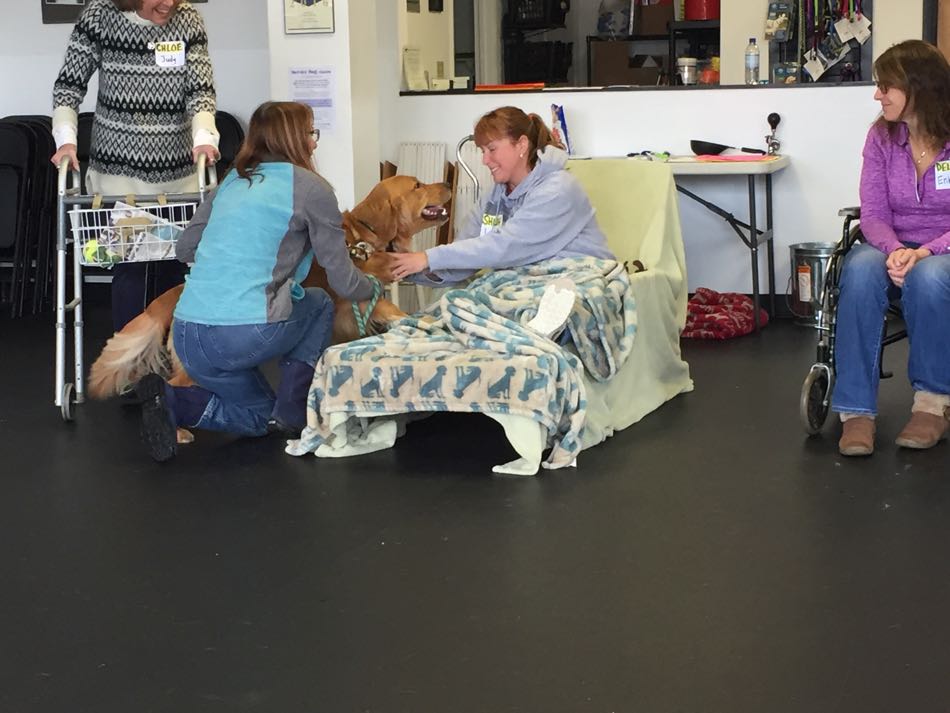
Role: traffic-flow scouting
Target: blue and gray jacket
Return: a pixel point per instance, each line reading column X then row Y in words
column 253, row 243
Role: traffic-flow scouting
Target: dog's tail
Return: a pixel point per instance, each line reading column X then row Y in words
column 138, row 349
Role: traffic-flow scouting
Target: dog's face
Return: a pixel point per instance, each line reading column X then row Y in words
column 398, row 208
column 423, row 206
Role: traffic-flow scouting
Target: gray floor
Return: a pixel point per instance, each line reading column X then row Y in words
column 710, row 558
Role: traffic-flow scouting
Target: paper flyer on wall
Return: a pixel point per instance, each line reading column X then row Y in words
column 416, row 80
column 316, row 87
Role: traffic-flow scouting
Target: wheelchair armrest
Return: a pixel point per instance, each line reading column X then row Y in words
column 852, row 212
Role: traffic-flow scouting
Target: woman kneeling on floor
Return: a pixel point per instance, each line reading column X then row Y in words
column 905, row 218
column 252, row 243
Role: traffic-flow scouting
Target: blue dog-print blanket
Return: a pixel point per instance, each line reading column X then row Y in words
column 470, row 352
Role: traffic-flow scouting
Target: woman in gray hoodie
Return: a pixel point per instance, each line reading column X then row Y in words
column 536, row 210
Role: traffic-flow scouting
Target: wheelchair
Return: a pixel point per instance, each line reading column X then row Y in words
column 816, row 389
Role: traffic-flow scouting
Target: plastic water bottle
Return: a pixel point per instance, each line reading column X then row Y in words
column 752, row 62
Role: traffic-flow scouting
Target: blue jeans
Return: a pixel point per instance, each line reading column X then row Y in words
column 135, row 284
column 866, row 291
column 224, row 360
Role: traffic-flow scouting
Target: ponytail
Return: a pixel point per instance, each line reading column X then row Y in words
column 539, row 137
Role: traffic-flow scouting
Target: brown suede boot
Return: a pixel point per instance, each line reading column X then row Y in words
column 924, row 430
column 857, row 436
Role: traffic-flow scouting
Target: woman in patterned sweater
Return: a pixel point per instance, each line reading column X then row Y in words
column 154, row 116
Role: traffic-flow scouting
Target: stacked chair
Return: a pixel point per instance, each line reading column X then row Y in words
column 232, row 135
column 28, row 202
column 84, row 137
column 27, row 213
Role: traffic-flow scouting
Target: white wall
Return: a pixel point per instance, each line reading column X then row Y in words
column 581, row 21
column 238, row 42
column 895, row 21
column 389, row 73
column 336, row 150
column 431, row 32
column 364, row 90
column 31, row 54
column 825, row 148
column 740, row 20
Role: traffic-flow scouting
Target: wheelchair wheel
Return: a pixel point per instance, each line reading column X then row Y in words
column 68, row 401
column 815, row 399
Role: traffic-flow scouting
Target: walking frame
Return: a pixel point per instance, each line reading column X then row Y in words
column 134, row 229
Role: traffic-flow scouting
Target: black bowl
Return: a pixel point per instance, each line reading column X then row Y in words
column 707, row 148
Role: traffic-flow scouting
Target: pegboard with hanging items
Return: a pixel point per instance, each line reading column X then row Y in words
column 818, row 40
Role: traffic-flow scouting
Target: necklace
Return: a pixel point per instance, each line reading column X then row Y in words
column 920, row 141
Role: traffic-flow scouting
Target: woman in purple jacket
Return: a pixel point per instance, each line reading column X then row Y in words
column 905, row 218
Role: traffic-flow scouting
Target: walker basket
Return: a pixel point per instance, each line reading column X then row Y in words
column 128, row 233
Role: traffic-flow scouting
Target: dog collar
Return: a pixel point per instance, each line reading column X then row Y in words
column 358, row 250
column 361, row 251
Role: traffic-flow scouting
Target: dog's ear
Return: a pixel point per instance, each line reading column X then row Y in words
column 374, row 222
column 404, row 218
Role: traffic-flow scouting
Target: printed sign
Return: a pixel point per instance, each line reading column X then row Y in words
column 804, row 283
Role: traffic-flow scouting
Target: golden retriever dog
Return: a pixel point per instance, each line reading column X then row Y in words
column 385, row 221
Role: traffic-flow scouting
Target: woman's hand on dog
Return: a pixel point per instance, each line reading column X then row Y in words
column 379, row 265
column 405, row 264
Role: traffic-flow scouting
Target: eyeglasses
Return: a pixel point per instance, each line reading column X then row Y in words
column 315, row 133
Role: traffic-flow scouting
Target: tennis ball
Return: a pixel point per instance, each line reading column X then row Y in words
column 90, row 251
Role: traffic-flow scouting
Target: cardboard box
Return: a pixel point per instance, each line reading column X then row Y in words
column 646, row 69
column 611, row 64
column 652, row 19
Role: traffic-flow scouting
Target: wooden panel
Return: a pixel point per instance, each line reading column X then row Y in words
column 943, row 27
column 446, row 233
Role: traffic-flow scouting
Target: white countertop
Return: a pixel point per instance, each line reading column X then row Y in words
column 691, row 166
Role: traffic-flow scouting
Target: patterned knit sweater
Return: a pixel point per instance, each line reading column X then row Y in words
column 149, row 89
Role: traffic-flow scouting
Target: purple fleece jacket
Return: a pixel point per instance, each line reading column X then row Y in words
column 896, row 208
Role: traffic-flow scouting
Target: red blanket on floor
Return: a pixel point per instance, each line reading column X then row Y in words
column 720, row 315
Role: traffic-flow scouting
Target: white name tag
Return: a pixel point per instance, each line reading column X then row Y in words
column 490, row 222
column 169, row 54
column 942, row 173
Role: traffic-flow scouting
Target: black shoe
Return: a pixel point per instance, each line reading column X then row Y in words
column 129, row 398
column 277, row 426
column 158, row 424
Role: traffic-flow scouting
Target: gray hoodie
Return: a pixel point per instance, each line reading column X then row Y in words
column 546, row 216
